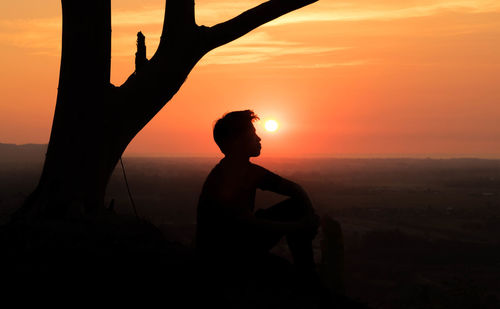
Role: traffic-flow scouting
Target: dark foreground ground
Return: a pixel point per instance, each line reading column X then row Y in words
column 417, row 233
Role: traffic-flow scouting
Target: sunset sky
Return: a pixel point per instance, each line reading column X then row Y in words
column 342, row 78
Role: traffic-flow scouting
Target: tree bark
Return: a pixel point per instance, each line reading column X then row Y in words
column 94, row 121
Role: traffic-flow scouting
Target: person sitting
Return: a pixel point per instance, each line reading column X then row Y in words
column 228, row 230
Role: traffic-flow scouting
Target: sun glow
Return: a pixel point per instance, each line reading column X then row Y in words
column 271, row 125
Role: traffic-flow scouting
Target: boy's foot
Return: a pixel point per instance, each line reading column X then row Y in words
column 311, row 287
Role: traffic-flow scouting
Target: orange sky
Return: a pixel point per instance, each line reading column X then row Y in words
column 361, row 78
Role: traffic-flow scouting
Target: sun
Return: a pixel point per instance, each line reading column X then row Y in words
column 271, row 125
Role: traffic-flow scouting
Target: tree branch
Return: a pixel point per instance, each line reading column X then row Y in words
column 179, row 17
column 182, row 45
column 140, row 55
column 232, row 29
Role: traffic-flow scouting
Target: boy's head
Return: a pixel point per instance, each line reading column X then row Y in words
column 235, row 134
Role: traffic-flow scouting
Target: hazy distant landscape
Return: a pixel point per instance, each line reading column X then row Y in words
column 418, row 233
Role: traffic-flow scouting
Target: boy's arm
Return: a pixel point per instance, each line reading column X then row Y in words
column 270, row 181
column 236, row 214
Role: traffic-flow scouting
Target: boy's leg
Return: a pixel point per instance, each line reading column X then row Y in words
column 300, row 244
column 332, row 253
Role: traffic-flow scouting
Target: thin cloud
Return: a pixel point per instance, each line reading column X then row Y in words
column 44, row 35
column 39, row 36
column 357, row 12
column 213, row 13
column 220, row 11
column 259, row 47
column 323, row 65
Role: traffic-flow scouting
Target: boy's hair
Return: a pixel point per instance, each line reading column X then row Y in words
column 231, row 125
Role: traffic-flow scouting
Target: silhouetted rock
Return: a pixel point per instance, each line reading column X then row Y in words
column 122, row 253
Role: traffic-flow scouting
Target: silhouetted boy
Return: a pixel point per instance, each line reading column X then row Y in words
column 228, row 230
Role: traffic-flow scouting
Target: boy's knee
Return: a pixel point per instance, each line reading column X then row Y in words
column 331, row 226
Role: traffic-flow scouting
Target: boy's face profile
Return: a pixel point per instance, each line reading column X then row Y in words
column 247, row 143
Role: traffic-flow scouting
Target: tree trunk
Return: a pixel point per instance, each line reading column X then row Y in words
column 80, row 156
column 94, row 121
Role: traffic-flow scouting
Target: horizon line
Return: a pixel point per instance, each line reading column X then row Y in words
column 333, row 156
column 436, row 156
